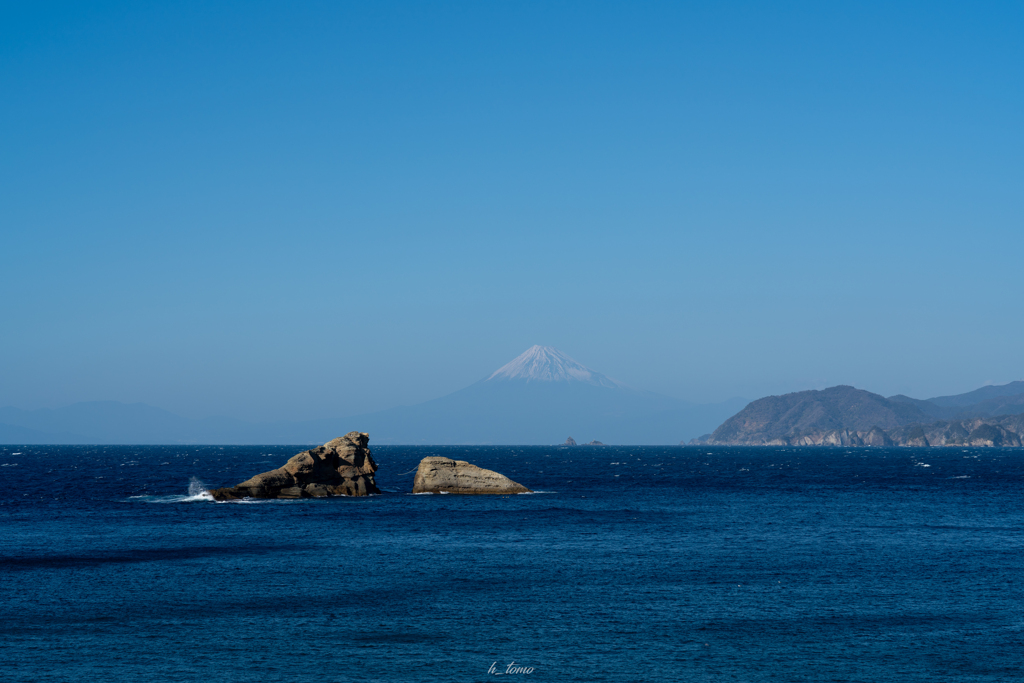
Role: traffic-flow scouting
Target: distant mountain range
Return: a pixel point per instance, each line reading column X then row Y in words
column 540, row 397
column 843, row 415
column 543, row 396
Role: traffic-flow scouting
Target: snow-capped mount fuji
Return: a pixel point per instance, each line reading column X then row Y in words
column 547, row 364
column 540, row 397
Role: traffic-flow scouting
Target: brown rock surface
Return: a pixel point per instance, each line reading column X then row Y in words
column 342, row 467
column 444, row 475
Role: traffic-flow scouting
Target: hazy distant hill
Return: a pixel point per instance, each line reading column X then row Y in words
column 111, row 422
column 993, row 407
column 930, row 409
column 540, row 397
column 984, row 394
column 13, row 434
column 990, row 401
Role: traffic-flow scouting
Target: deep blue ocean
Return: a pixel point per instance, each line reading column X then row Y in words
column 628, row 564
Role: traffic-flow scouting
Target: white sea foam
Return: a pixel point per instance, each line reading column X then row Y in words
column 197, row 493
column 169, row 499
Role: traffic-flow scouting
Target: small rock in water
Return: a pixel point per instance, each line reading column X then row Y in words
column 444, row 475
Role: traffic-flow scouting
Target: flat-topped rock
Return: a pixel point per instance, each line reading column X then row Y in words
column 444, row 475
column 342, row 467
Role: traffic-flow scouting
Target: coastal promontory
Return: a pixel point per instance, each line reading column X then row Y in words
column 342, row 467
column 845, row 416
column 444, row 475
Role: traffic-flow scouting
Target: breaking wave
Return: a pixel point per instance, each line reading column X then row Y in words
column 197, row 493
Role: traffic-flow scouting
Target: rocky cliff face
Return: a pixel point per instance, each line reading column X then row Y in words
column 1006, row 431
column 444, row 475
column 342, row 467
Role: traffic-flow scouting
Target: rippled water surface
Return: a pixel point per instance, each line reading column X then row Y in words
column 628, row 564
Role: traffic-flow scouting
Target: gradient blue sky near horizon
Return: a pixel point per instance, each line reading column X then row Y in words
column 291, row 211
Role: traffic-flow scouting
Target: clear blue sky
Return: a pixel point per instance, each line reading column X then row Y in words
column 267, row 210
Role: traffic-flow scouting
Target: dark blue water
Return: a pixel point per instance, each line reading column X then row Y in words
column 634, row 564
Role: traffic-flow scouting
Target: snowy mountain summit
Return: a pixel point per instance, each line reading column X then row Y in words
column 546, row 364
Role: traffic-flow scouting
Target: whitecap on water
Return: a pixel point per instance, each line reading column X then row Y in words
column 196, row 490
column 196, row 493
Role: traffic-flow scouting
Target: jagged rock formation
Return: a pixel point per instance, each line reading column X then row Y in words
column 837, row 437
column 595, row 443
column 570, row 442
column 444, row 475
column 1003, row 432
column 342, row 467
